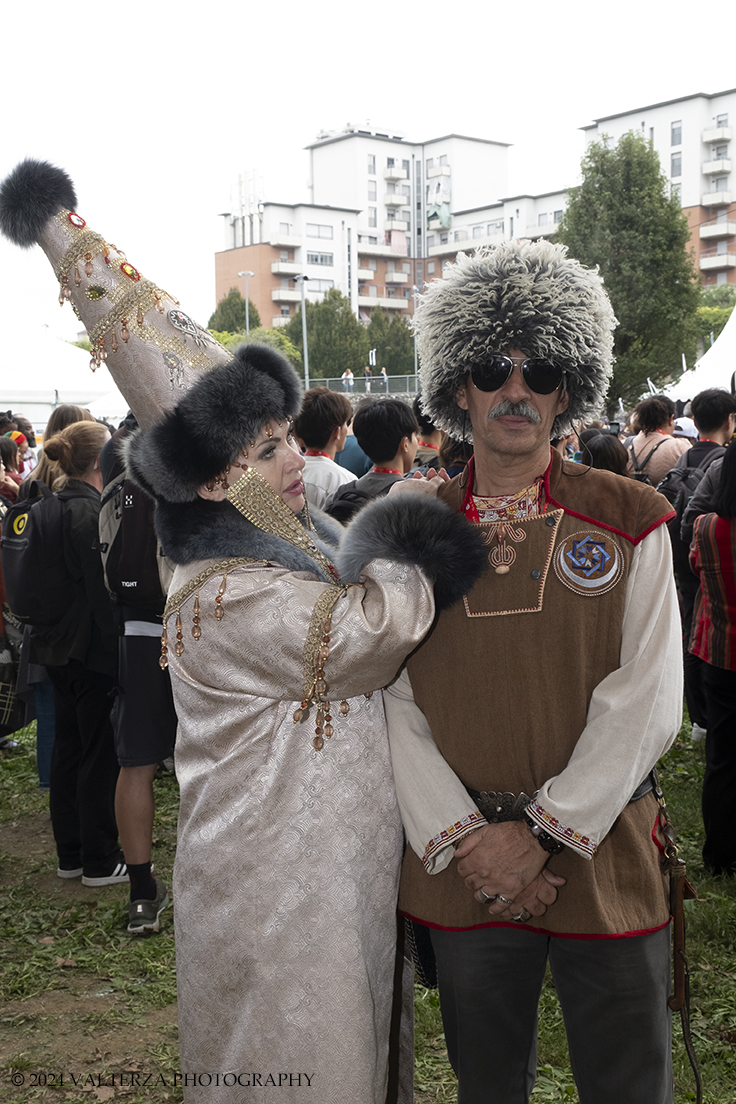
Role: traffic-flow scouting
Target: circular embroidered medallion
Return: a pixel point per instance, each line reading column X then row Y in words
column 127, row 269
column 589, row 562
column 76, row 220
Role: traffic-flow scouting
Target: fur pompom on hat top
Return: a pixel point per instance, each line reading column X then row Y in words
column 517, row 295
column 218, row 417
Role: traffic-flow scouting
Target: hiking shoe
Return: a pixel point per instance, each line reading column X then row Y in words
column 118, row 873
column 143, row 915
column 69, row 872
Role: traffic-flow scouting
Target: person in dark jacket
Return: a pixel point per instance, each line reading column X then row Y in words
column 80, row 655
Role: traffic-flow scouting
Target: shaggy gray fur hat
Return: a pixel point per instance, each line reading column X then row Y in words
column 517, row 295
column 220, row 415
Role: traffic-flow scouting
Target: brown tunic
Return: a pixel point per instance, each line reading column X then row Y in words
column 524, row 651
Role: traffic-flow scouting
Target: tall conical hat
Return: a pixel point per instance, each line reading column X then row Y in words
column 152, row 348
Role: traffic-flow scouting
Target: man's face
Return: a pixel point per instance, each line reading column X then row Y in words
column 514, row 420
column 26, row 428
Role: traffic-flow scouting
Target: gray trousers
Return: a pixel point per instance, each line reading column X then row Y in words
column 613, row 994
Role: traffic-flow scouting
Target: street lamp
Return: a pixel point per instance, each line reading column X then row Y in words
column 302, row 280
column 415, row 289
column 247, row 319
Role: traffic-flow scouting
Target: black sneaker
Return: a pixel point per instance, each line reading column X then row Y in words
column 69, row 872
column 143, row 915
column 118, row 872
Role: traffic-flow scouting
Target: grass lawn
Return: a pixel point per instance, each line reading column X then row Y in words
column 82, row 1000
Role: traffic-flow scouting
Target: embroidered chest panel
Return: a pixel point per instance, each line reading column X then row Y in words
column 529, row 555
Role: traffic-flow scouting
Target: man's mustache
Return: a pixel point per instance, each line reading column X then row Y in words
column 515, row 410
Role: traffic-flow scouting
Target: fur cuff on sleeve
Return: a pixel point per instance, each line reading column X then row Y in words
column 419, row 531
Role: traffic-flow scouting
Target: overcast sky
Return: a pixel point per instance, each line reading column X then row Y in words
column 154, row 112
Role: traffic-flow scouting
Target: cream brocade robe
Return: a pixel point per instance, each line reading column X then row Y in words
column 287, row 862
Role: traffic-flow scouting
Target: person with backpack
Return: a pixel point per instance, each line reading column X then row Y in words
column 654, row 450
column 79, row 652
column 714, row 415
column 143, row 716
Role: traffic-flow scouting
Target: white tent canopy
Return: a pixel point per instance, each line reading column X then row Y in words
column 714, row 369
column 39, row 373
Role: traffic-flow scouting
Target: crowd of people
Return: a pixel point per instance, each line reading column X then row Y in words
column 362, row 656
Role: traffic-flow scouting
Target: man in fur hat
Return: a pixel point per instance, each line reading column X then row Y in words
column 531, row 760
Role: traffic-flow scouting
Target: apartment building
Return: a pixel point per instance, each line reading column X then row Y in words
column 693, row 138
column 384, row 215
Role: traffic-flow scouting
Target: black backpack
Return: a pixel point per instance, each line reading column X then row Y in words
column 678, row 486
column 38, row 584
column 136, row 571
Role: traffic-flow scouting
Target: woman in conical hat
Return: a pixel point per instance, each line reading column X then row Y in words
column 279, row 631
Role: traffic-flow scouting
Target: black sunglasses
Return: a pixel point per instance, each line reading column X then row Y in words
column 540, row 375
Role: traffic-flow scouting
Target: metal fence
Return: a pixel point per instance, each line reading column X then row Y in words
column 393, row 385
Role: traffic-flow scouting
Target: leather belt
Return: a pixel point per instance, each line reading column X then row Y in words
column 496, row 806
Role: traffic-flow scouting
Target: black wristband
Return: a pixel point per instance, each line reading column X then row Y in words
column 544, row 839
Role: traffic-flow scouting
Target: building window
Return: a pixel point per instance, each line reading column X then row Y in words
column 495, row 227
column 372, row 264
column 407, row 293
column 284, row 227
column 285, row 313
column 675, row 190
column 722, row 120
column 319, row 285
column 542, row 220
column 477, row 231
column 443, row 159
column 389, row 162
column 390, row 293
column 321, row 258
column 284, row 255
column 557, row 217
column 390, row 189
column 406, row 214
column 372, row 290
column 720, row 184
column 406, row 190
column 372, row 164
column 318, row 230
column 676, row 133
column 444, row 238
column 372, row 220
column 461, row 235
column 405, row 166
column 721, row 152
column 430, row 241
column 285, row 283
column 430, row 268
column 430, row 163
column 676, row 167
column 372, row 191
column 390, row 266
column 406, row 267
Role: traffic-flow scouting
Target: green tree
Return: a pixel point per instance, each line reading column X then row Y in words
column 335, row 337
column 719, row 295
column 276, row 338
column 623, row 219
column 230, row 314
column 393, row 342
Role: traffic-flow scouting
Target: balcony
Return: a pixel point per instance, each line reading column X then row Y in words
column 394, row 174
column 279, row 320
column 394, row 199
column 444, row 249
column 718, row 228
column 366, row 274
column 364, row 249
column 286, row 295
column 286, row 268
column 438, row 170
column 717, row 134
column 284, row 241
column 397, row 278
column 722, row 166
column 716, row 199
column 395, row 224
column 383, row 301
column 709, row 262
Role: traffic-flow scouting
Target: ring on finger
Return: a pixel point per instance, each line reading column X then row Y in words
column 486, row 897
column 500, row 897
column 523, row 915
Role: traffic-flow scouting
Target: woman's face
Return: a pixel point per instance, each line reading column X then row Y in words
column 279, row 461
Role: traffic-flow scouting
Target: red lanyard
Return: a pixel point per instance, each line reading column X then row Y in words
column 317, row 452
column 386, row 471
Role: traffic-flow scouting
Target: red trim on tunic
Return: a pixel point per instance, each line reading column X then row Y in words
column 536, row 931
